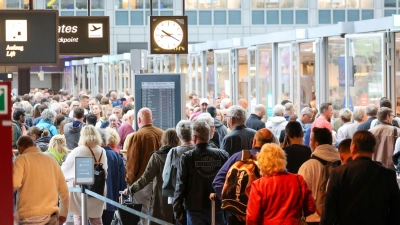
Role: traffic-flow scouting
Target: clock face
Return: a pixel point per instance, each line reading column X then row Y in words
column 168, row 34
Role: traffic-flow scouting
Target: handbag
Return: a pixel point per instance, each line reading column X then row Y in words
column 168, row 188
column 302, row 219
column 99, row 176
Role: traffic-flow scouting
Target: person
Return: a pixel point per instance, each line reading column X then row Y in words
column 189, row 195
column 47, row 122
column 345, row 115
column 385, row 102
column 372, row 111
column 243, row 103
column 241, row 137
column 313, row 102
column 96, row 110
column 344, row 151
column 289, row 110
column 40, row 137
column 58, row 148
column 296, row 152
column 362, row 191
column 40, row 184
column 220, row 129
column 18, row 125
column 321, row 147
column 214, row 139
column 359, row 116
column 385, row 137
column 277, row 123
column 126, row 128
column 262, row 136
column 90, row 141
column 113, row 122
column 160, row 207
column 113, row 140
column 306, row 117
column 115, row 180
column 82, row 103
column 91, row 119
column 323, row 121
column 117, row 111
column 254, row 121
column 139, row 145
column 278, row 197
column 203, row 108
column 193, row 100
column 72, row 129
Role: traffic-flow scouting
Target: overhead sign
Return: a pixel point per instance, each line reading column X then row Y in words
column 84, row 35
column 28, row 37
column 84, row 170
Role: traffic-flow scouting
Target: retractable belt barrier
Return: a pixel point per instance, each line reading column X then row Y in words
column 118, row 205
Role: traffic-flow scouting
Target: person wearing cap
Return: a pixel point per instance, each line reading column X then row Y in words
column 18, row 123
column 203, row 108
column 44, row 101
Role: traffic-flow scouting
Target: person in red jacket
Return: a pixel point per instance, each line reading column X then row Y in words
column 278, row 197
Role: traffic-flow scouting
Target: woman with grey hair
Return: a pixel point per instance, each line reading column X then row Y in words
column 214, row 137
column 47, row 122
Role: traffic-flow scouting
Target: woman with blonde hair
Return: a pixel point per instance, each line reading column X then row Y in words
column 58, row 148
column 89, row 145
column 278, row 197
column 114, row 139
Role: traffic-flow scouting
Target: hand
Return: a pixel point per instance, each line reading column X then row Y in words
column 169, row 35
column 61, row 220
column 212, row 196
column 126, row 191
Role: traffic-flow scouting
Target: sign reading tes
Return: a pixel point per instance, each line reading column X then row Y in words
column 28, row 37
column 83, row 35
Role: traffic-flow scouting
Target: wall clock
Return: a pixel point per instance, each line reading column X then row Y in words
column 168, row 35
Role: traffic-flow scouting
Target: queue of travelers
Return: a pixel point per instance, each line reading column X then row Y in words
column 311, row 168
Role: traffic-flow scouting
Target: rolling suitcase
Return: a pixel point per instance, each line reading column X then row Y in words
column 122, row 217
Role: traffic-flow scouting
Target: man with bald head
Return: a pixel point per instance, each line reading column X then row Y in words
column 262, row 136
column 254, row 121
column 139, row 146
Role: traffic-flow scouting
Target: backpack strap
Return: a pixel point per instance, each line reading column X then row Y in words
column 95, row 160
column 323, row 162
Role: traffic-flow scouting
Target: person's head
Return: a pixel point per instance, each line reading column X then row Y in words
column 89, row 136
column 260, row 110
column 58, row 143
column 44, row 101
column 59, row 119
column 38, row 96
column 385, row 102
column 209, row 120
column 363, row 143
column 16, row 105
column 49, row 115
column 294, row 130
column 263, row 136
column 306, row 115
column 107, row 111
column 114, row 138
column 320, row 136
column 19, row 115
column 64, row 108
column 200, row 132
column 212, row 110
column 225, row 103
column 91, row 119
column 193, row 99
column 243, row 102
column 56, row 107
column 105, row 135
column 130, row 99
column 271, row 159
column 144, row 117
column 24, row 142
column 35, row 133
column 183, row 131
column 93, row 102
column 326, row 110
column 84, row 101
column 113, row 96
column 359, row 114
column 117, row 111
column 217, row 102
column 385, row 115
column 344, row 150
column 345, row 114
column 130, row 117
column 105, row 101
column 203, row 104
column 96, row 110
column 372, row 110
column 220, row 115
column 62, row 124
column 113, row 119
column 278, row 110
column 170, row 138
column 74, row 104
column 79, row 113
column 236, row 116
column 289, row 108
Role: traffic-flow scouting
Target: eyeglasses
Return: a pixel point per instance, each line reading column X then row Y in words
column 75, row 105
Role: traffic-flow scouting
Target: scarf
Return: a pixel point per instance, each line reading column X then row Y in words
column 56, row 155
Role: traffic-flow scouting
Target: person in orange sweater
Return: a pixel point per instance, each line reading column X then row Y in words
column 40, row 183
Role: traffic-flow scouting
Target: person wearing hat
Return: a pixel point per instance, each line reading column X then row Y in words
column 19, row 127
column 203, row 108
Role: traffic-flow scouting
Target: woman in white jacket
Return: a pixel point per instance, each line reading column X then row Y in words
column 90, row 138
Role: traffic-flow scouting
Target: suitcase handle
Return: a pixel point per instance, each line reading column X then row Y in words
column 121, row 197
column 213, row 208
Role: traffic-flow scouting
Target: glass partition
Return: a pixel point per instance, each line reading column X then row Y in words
column 336, row 87
column 264, row 75
column 397, row 73
column 243, row 79
column 252, row 71
column 222, row 70
column 210, row 75
column 284, row 72
column 306, row 73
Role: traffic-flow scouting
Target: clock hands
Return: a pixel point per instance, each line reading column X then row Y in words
column 169, row 35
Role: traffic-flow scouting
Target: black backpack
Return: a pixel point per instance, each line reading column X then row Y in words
column 99, row 176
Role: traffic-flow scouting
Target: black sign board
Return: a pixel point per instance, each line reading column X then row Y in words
column 28, row 37
column 84, row 35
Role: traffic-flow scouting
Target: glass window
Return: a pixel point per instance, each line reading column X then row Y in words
column 97, row 4
column 324, row 16
column 353, row 15
column 234, row 4
column 336, row 49
column 223, row 85
column 205, row 4
column 97, row 13
column 306, row 72
column 243, row 80
column 220, row 4
column 12, row 4
column 287, row 16
column 82, row 13
column 209, row 76
column 121, row 18
column 81, row 4
column 67, row 4
column 338, row 3
column 367, row 14
column 137, row 18
column 166, row 4
column 301, row 16
column 323, row 4
column 166, row 13
column 265, row 78
column 205, row 17
column 190, row 4
column 272, row 17
column 390, row 12
column 390, row 3
column 284, row 62
column 257, row 4
column 121, row 4
column 219, row 17
column 134, row 4
column 353, row 3
column 67, row 13
column 286, row 3
column 338, row 16
column 235, row 18
column 192, row 17
column 257, row 17
column 367, row 4
column 272, row 3
column 50, row 4
column 300, row 4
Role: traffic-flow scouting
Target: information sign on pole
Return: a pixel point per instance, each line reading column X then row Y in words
column 84, row 170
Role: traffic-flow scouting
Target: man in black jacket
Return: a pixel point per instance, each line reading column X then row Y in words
column 196, row 172
column 254, row 121
column 362, row 191
column 220, row 128
column 372, row 111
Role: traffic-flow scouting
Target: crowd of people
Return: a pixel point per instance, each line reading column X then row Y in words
column 176, row 173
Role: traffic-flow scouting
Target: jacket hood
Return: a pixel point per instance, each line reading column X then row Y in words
column 75, row 128
column 277, row 119
column 43, row 139
column 43, row 143
column 327, row 152
column 218, row 123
